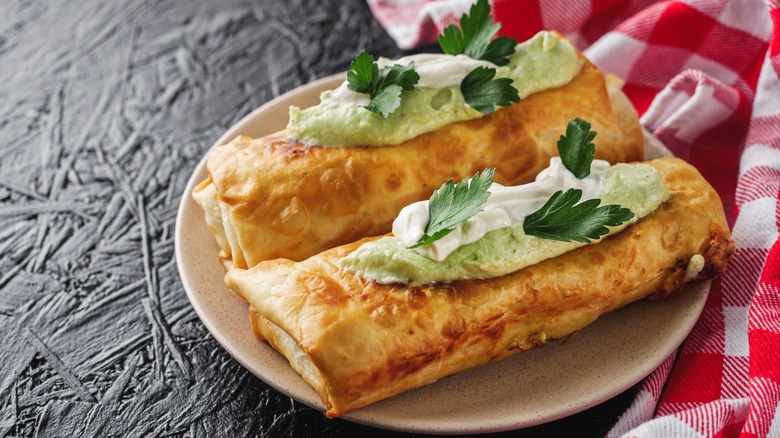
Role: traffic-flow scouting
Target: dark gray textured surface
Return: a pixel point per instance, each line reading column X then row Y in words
column 106, row 107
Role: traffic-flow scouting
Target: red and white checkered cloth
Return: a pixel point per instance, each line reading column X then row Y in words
column 704, row 75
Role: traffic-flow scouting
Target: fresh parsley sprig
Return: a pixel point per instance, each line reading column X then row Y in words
column 474, row 36
column 576, row 149
column 453, row 203
column 483, row 93
column 384, row 85
column 561, row 218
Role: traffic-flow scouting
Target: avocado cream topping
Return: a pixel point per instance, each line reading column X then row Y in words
column 341, row 119
column 495, row 244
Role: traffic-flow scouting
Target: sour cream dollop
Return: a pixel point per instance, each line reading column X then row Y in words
column 505, row 207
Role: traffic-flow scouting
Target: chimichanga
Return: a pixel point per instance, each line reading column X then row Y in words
column 276, row 197
column 356, row 342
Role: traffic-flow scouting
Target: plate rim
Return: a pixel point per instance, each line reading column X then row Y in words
column 357, row 416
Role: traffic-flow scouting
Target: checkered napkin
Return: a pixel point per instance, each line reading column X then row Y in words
column 704, row 76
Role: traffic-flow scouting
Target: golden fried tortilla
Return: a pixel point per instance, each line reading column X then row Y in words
column 275, row 197
column 356, row 342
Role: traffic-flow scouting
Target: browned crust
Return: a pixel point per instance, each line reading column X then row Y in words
column 716, row 255
column 410, row 336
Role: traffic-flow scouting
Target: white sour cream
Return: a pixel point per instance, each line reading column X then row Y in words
column 435, row 71
column 506, row 206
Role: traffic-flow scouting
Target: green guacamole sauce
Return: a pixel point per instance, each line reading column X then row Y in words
column 541, row 63
column 638, row 187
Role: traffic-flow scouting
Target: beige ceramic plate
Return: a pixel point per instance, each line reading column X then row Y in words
column 534, row 387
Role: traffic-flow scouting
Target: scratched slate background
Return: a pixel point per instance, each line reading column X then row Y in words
column 105, row 109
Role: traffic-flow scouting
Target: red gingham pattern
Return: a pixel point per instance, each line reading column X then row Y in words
column 704, row 75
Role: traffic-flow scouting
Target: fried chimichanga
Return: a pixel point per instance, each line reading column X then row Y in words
column 356, row 342
column 275, row 197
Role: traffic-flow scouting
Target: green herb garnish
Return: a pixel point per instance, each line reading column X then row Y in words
column 473, row 38
column 576, row 149
column 560, row 219
column 483, row 93
column 453, row 203
column 384, row 86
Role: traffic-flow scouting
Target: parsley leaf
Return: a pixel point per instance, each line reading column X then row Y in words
column 576, row 149
column 364, row 73
column 474, row 37
column 384, row 86
column 483, row 93
column 401, row 75
column 386, row 101
column 454, row 203
column 560, row 219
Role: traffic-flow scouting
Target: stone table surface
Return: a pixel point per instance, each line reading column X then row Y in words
column 106, row 108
